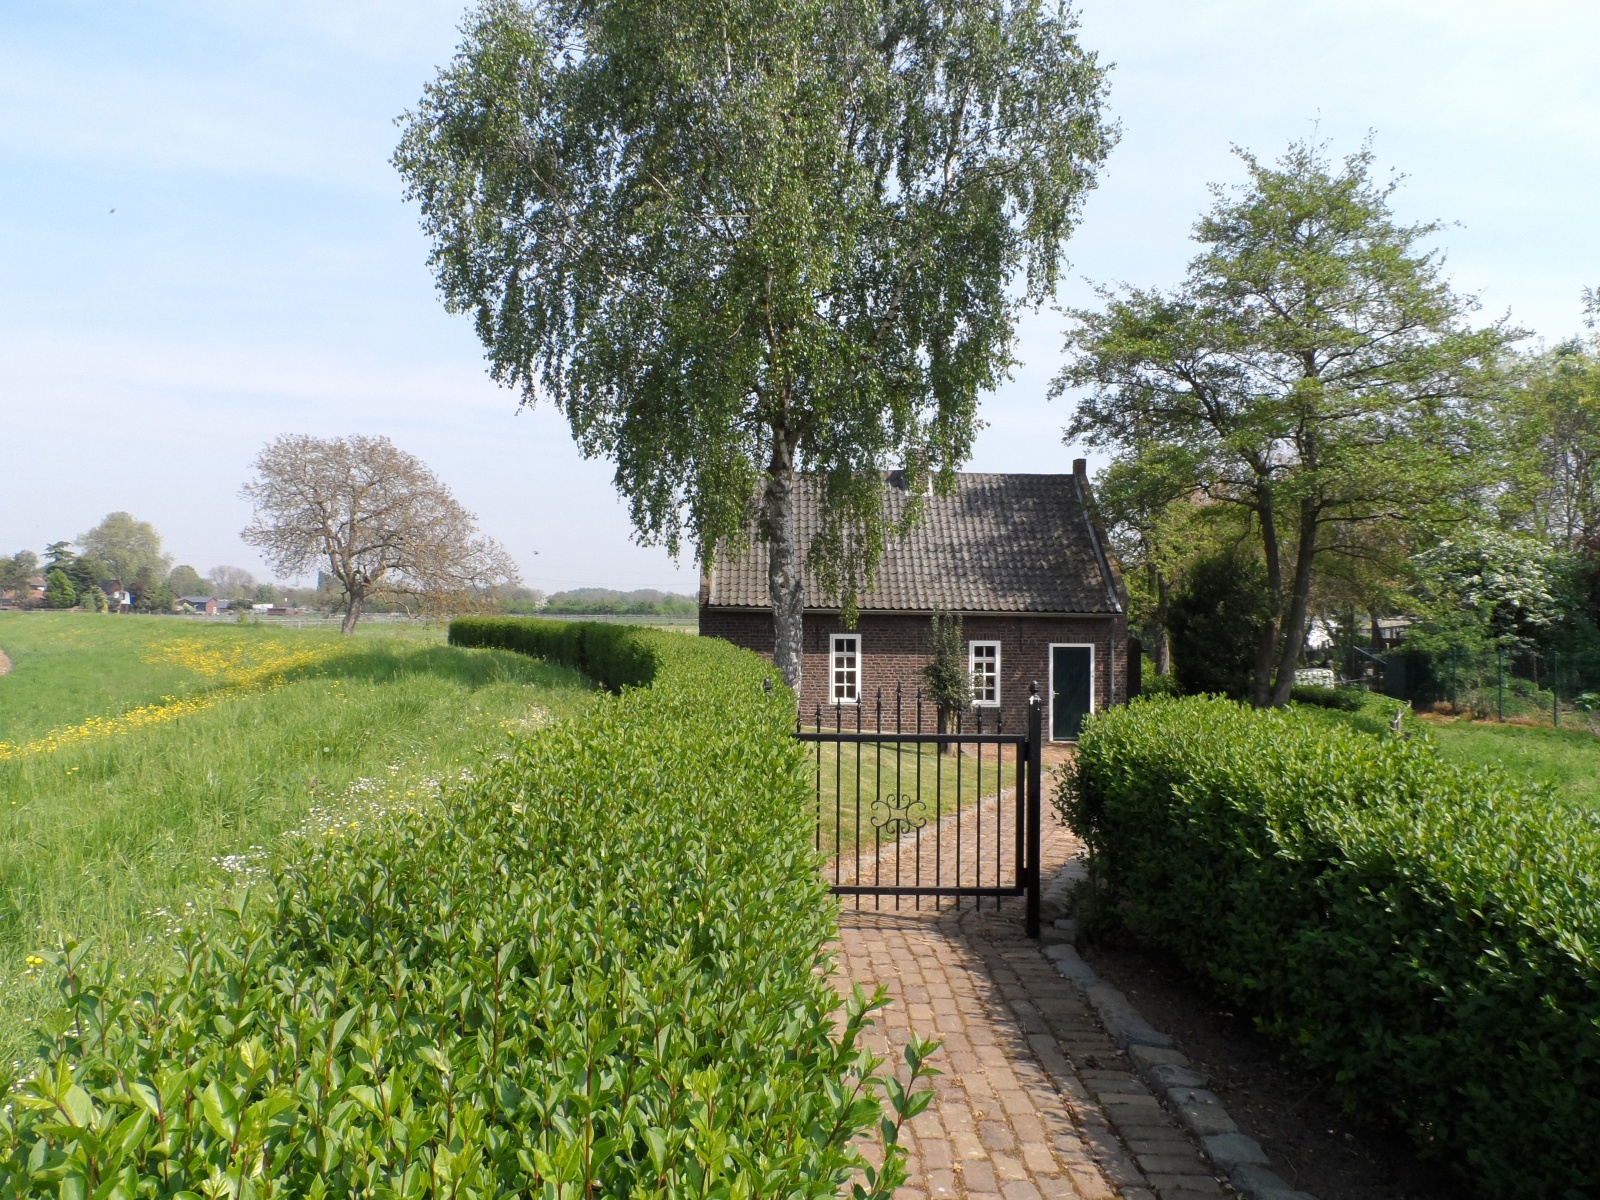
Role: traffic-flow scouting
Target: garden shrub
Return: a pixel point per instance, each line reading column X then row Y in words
column 1151, row 684
column 1215, row 622
column 1345, row 699
column 1428, row 934
column 590, row 970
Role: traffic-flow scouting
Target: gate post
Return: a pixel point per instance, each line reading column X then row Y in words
column 1035, row 773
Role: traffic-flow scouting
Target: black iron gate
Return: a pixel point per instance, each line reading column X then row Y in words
column 909, row 812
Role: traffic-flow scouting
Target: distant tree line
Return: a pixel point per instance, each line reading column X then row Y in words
column 120, row 562
column 602, row 602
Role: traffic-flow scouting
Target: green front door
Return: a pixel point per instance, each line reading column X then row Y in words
column 1071, row 690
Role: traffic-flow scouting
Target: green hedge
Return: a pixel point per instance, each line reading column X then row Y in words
column 1428, row 934
column 616, row 656
column 592, row 970
column 1345, row 699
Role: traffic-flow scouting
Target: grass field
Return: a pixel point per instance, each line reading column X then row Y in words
column 148, row 762
column 854, row 785
column 1565, row 760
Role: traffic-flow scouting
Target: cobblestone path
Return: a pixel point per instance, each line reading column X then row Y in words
column 1036, row 1102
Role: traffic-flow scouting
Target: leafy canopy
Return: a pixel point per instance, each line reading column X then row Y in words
column 766, row 235
column 1314, row 366
column 949, row 680
column 129, row 547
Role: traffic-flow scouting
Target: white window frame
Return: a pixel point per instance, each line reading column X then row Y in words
column 834, row 642
column 1050, row 697
column 972, row 672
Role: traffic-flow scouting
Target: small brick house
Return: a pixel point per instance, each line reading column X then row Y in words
column 1021, row 558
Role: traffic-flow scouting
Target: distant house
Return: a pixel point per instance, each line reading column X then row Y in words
column 199, row 604
column 1389, row 632
column 1021, row 558
column 33, row 593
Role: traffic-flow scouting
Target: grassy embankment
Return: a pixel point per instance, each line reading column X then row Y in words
column 1567, row 761
column 145, row 761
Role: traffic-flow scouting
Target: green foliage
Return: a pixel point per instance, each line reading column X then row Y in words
column 186, row 581
column 1215, row 621
column 17, row 570
column 1485, row 589
column 1346, row 699
column 616, row 656
column 1549, row 447
column 949, row 681
column 153, row 597
column 1314, row 369
column 1425, row 933
column 1152, row 684
column 128, row 547
column 58, row 590
column 646, row 602
column 86, row 572
column 734, row 243
column 589, row 970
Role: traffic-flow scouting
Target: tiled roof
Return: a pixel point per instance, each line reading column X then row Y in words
column 1001, row 543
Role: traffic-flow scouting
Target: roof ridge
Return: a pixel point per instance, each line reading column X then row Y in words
column 1016, row 542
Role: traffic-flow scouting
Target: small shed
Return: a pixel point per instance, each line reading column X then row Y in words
column 1023, row 561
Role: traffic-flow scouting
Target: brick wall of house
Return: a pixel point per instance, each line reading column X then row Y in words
column 894, row 650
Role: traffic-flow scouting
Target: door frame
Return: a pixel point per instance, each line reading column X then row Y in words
column 1050, row 717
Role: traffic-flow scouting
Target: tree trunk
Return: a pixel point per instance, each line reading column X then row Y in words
column 1162, row 649
column 1294, row 621
column 783, row 563
column 1266, row 643
column 352, row 613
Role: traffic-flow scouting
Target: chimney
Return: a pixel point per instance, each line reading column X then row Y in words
column 1080, row 467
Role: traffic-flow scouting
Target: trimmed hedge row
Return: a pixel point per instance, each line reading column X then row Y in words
column 1428, row 934
column 614, row 655
column 1345, row 699
column 591, row 971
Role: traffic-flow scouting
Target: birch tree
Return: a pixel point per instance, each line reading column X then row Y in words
column 738, row 244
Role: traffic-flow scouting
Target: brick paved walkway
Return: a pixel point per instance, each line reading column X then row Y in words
column 1037, row 1102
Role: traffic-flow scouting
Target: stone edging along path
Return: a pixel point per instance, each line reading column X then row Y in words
column 1164, row 1069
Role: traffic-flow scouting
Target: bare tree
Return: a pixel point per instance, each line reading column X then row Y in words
column 233, row 583
column 372, row 517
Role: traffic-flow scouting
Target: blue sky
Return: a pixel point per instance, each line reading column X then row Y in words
column 261, row 274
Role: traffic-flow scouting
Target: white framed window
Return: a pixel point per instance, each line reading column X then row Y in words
column 844, row 656
column 983, row 661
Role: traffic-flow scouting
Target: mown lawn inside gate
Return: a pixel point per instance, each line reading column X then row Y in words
column 855, row 784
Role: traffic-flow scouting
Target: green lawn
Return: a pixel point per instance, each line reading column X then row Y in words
column 146, row 761
column 855, row 783
column 1566, row 760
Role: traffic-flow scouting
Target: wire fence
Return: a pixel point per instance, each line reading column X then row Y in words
column 1522, row 686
